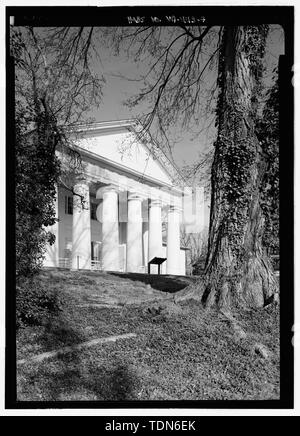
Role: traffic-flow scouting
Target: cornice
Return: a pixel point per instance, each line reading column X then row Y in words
column 134, row 126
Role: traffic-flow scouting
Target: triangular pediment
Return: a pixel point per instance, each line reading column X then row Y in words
column 119, row 145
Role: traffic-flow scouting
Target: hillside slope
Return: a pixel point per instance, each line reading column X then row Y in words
column 179, row 352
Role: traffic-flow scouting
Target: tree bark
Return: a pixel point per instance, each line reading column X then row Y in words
column 238, row 271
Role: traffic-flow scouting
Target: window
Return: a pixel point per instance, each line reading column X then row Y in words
column 68, row 205
column 94, row 211
column 96, row 250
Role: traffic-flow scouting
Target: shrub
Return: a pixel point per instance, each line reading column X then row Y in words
column 35, row 303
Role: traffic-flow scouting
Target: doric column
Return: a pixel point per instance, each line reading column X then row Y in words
column 155, row 232
column 173, row 240
column 145, row 243
column 134, row 243
column 81, row 231
column 110, row 228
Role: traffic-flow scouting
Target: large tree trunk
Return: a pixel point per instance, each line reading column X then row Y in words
column 238, row 271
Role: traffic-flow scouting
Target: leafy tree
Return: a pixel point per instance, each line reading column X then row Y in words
column 37, row 170
column 54, row 87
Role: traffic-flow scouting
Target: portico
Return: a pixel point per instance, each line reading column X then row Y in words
column 137, row 252
column 123, row 211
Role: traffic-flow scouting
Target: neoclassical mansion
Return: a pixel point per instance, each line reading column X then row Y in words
column 134, row 204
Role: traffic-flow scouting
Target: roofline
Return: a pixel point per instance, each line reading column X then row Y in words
column 90, row 154
column 101, row 125
column 125, row 123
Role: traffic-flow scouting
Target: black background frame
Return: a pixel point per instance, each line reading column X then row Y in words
column 49, row 16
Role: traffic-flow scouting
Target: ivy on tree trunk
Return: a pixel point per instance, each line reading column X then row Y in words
column 238, row 271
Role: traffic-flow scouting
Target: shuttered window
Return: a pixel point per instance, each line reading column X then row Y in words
column 68, row 205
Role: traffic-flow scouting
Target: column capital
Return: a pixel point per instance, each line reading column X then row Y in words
column 175, row 208
column 104, row 189
column 155, row 202
column 135, row 196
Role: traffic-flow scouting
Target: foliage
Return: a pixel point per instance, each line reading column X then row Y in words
column 236, row 147
column 268, row 134
column 53, row 88
column 37, row 170
column 35, row 302
column 238, row 270
column 255, row 44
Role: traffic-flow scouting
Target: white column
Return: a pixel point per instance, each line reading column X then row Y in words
column 110, row 228
column 193, row 209
column 155, row 232
column 134, row 243
column 145, row 244
column 173, row 241
column 81, row 232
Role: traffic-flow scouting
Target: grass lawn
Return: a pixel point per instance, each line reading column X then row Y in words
column 181, row 352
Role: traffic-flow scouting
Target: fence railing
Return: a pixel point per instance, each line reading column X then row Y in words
column 64, row 262
column 96, row 265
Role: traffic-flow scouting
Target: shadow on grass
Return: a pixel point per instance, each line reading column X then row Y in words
column 75, row 379
column 159, row 282
column 79, row 375
column 57, row 335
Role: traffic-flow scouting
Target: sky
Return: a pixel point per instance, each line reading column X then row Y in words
column 117, row 89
